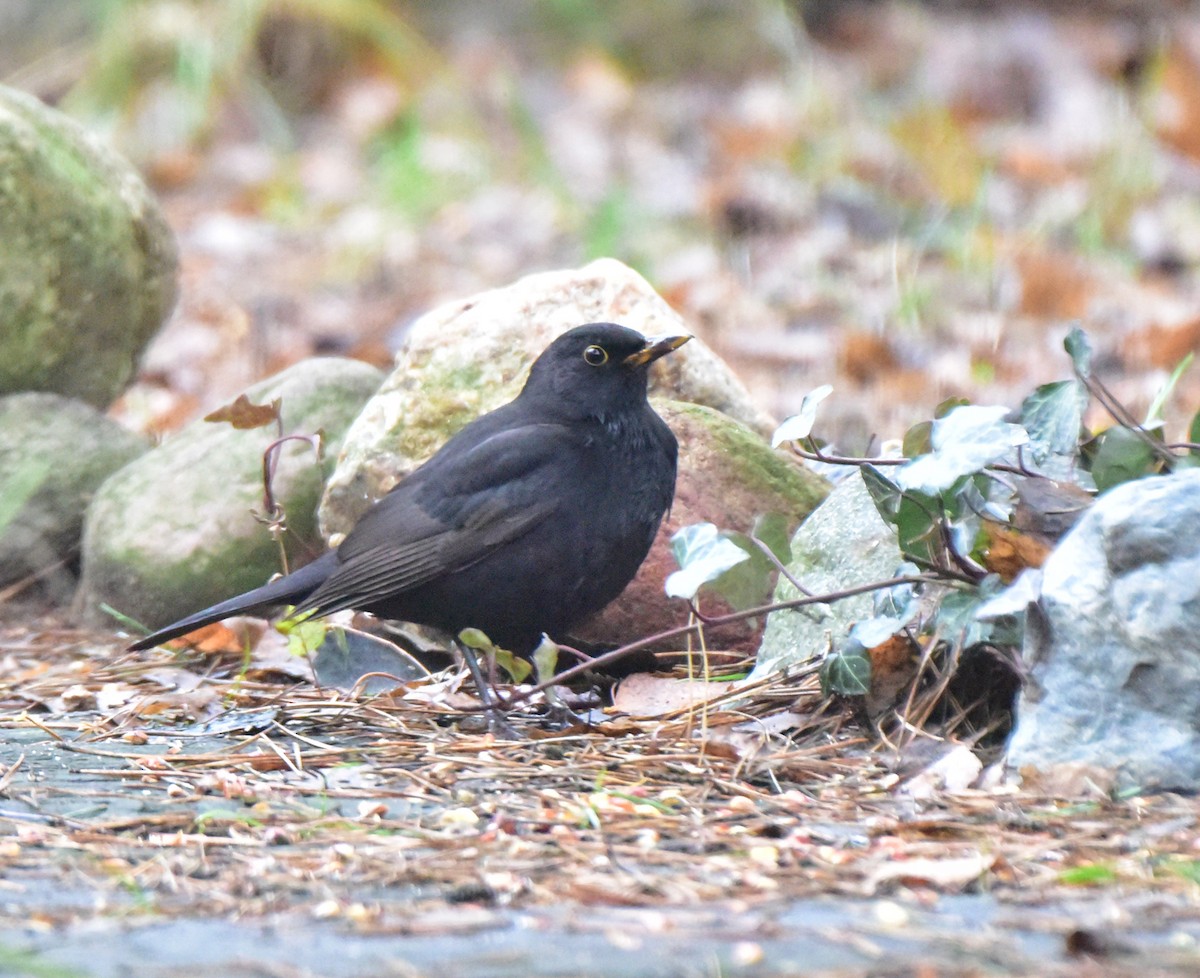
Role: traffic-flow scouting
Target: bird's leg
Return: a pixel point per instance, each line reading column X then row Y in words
column 545, row 662
column 497, row 724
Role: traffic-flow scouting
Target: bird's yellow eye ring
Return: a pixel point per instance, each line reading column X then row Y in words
column 597, row 356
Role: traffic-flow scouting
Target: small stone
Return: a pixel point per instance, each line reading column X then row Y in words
column 54, row 454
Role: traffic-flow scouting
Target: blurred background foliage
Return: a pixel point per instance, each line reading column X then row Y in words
column 914, row 200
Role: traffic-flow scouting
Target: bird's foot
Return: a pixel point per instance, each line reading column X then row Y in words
column 497, row 722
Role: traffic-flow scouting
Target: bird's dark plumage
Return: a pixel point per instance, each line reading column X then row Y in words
column 527, row 521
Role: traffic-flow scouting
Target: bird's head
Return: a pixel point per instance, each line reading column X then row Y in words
column 597, row 370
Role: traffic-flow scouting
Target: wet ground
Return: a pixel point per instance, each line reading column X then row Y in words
column 74, row 910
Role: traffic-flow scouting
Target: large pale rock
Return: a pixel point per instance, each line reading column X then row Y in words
column 466, row 358
column 174, row 531
column 54, row 454
column 728, row 475
column 844, row 543
column 87, row 267
column 1113, row 643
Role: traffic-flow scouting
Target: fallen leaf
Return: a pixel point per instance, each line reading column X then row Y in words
column 1179, row 100
column 954, row 771
column 750, row 739
column 944, row 874
column 893, row 664
column 642, row 695
column 1007, row 552
column 1069, row 780
column 1053, row 285
column 244, row 415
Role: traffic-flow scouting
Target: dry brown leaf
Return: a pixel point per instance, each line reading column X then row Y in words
column 643, row 695
column 244, row 415
column 1053, row 285
column 1071, row 780
column 1008, row 552
column 1161, row 345
column 943, row 874
column 954, row 771
column 1179, row 104
column 893, row 665
column 1034, row 164
column 864, row 356
column 220, row 637
column 754, row 737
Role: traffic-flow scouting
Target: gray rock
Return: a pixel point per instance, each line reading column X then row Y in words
column 54, row 454
column 174, row 531
column 1113, row 643
column 843, row 543
column 466, row 358
column 87, row 270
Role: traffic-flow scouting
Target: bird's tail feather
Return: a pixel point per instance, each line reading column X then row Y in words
column 291, row 589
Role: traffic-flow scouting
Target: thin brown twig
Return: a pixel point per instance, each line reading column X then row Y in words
column 680, row 630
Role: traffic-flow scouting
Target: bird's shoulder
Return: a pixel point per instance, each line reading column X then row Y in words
column 492, row 465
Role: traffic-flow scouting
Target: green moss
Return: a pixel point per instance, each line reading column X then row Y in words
column 449, row 400
column 756, row 465
column 88, row 263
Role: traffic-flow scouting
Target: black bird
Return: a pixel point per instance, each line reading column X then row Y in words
column 528, row 520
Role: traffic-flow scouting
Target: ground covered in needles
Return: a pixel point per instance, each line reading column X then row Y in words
column 141, row 790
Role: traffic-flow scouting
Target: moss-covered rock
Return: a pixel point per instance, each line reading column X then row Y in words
column 175, row 531
column 87, row 267
column 54, row 454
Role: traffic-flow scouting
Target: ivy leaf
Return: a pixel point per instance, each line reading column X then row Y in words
column 1015, row 598
column 900, row 600
column 917, row 440
column 800, row 425
column 517, row 668
column 959, row 616
column 703, row 554
column 1120, row 456
column 545, row 659
column 1079, row 349
column 948, row 405
column 885, row 493
column 846, row 673
column 1053, row 416
column 964, row 441
column 914, row 516
column 304, row 636
column 956, row 617
column 871, row 632
column 750, row 582
column 1194, row 433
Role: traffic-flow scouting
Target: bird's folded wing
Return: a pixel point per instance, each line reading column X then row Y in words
column 445, row 518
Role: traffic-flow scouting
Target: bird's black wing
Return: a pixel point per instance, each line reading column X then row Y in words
column 446, row 516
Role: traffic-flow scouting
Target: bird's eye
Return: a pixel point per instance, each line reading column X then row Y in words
column 596, row 355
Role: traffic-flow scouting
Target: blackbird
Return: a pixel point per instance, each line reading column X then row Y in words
column 528, row 520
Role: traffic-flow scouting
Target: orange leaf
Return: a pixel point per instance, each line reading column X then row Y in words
column 1008, row 552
